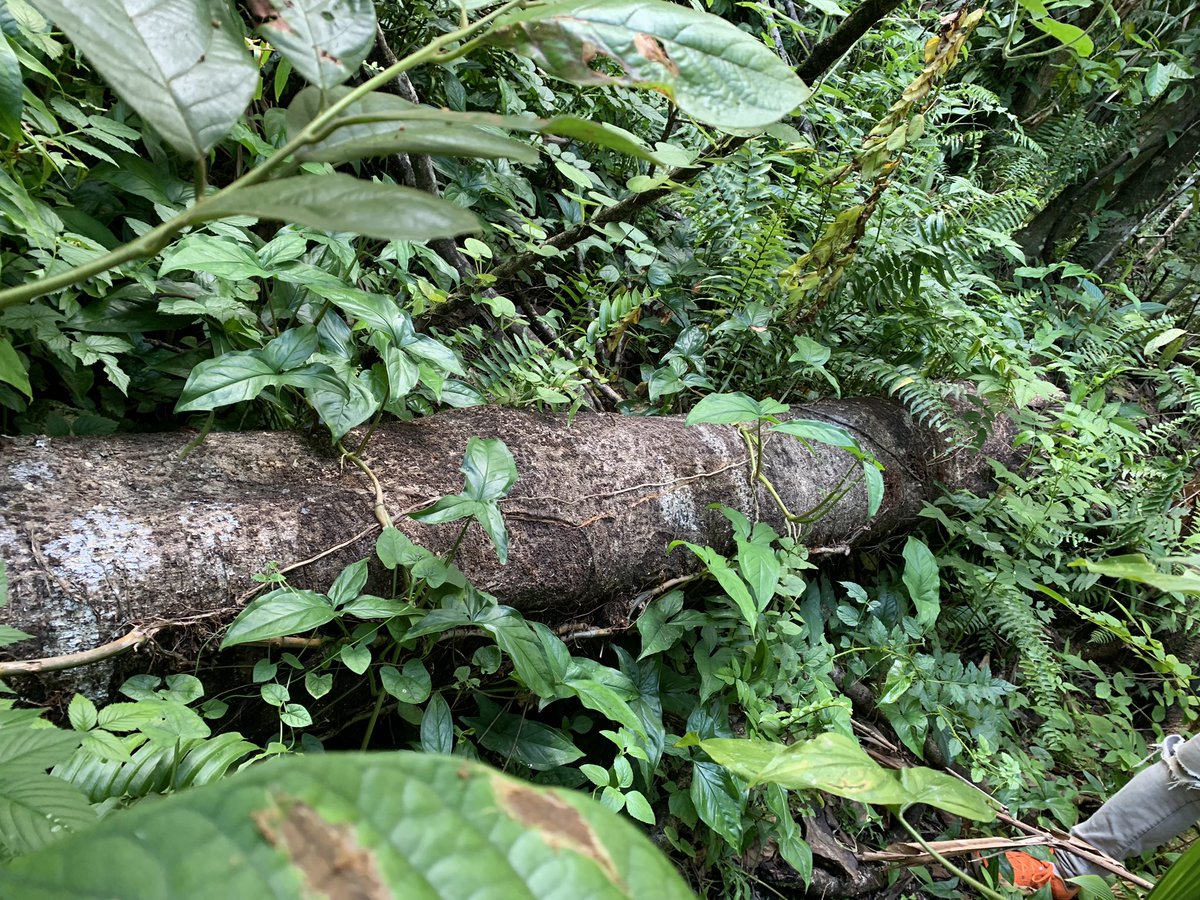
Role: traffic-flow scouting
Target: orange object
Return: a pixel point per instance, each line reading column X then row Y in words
column 1030, row 874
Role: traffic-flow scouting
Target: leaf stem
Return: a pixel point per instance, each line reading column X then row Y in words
column 983, row 889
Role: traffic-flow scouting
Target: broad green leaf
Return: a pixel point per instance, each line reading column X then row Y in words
column 491, row 520
column 11, row 102
column 279, row 613
column 944, row 791
column 291, row 349
column 388, row 131
column 728, row 579
column 367, row 606
column 230, row 378
column 836, row 764
column 324, row 40
column 638, row 807
column 395, row 549
column 1069, row 35
column 349, row 583
column 922, row 580
column 219, row 256
column 604, row 699
column 1181, row 879
column 341, row 410
column 760, row 569
column 183, row 66
column 447, row 509
column 340, row 202
column 489, row 469
column 28, row 751
column 518, row 738
column 82, row 713
column 829, row 7
column 875, row 486
column 532, row 665
column 317, row 685
column 412, row 685
column 355, row 657
column 37, row 809
column 11, row 369
column 713, row 70
column 718, row 801
column 822, row 432
column 406, row 820
column 730, row 409
column 437, row 726
column 1135, row 567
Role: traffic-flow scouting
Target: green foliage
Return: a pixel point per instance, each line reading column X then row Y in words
column 872, row 246
column 374, row 810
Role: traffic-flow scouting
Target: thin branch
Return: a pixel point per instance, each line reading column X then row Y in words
column 134, row 639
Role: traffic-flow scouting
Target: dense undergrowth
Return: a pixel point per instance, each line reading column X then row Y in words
column 796, row 266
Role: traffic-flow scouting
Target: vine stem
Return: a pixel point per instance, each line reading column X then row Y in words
column 153, row 241
column 983, row 889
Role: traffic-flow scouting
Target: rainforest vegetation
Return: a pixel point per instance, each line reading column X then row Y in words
column 587, row 448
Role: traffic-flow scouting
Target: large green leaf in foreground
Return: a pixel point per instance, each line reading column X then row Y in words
column 355, row 825
column 712, row 69
column 182, row 65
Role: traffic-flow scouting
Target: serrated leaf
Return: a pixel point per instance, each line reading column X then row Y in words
column 324, row 40
column 82, row 713
column 183, row 66
column 25, row 750
column 712, row 69
column 36, row 810
column 277, row 614
column 340, row 202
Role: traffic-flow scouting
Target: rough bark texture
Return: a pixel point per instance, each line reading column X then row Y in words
column 102, row 534
column 1165, row 144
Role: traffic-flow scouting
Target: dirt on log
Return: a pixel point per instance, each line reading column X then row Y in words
column 107, row 534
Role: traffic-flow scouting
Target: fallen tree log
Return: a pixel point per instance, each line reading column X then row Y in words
column 112, row 539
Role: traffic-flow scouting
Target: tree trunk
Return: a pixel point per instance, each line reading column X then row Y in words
column 1165, row 144
column 104, row 535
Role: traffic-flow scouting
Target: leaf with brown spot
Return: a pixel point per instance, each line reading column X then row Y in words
column 355, row 826
column 328, row 855
column 559, row 824
column 183, row 66
column 712, row 69
column 651, row 49
column 325, row 40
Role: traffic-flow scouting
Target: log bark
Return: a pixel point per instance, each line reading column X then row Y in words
column 104, row 535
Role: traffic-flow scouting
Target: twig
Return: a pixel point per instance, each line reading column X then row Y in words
column 134, row 639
